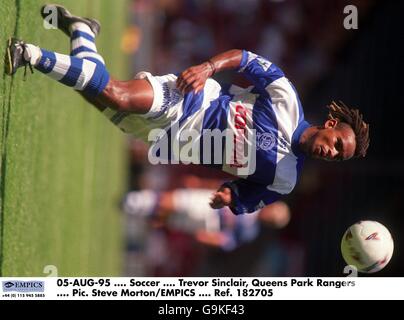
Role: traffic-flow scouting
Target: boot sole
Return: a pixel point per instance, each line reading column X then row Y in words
column 9, row 64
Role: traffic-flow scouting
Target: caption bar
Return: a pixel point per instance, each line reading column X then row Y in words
column 146, row 288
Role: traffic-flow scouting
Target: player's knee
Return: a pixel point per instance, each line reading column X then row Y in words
column 116, row 95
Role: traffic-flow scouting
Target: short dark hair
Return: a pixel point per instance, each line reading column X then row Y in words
column 339, row 111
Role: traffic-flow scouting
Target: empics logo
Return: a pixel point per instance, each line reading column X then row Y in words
column 23, row 286
column 8, row 284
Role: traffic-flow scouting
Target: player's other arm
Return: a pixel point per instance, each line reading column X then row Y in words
column 194, row 77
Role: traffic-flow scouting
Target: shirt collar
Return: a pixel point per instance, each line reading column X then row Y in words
column 303, row 125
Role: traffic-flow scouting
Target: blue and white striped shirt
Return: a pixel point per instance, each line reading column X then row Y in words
column 272, row 107
column 266, row 117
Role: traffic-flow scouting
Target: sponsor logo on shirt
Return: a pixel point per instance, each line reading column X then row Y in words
column 240, row 124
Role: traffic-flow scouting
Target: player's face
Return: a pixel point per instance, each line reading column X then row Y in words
column 333, row 142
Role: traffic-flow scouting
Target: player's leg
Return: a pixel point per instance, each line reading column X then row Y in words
column 134, row 95
column 130, row 96
column 80, row 74
column 84, row 70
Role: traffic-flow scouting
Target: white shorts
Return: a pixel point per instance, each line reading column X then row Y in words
column 166, row 108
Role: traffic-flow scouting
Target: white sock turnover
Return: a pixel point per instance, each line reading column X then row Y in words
column 81, row 26
column 32, row 54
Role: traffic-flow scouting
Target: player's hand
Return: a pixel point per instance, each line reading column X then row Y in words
column 221, row 198
column 194, row 78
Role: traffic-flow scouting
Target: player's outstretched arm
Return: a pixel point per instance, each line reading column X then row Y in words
column 194, row 77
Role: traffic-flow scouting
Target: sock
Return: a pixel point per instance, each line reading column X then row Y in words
column 83, row 43
column 82, row 74
column 81, row 26
column 32, row 54
column 84, row 69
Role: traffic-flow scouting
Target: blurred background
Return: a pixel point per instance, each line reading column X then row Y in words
column 325, row 62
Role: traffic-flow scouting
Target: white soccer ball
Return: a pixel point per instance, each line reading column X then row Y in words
column 368, row 246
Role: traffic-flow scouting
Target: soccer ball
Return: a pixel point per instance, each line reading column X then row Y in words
column 368, row 246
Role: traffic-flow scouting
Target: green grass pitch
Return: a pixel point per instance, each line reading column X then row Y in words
column 62, row 169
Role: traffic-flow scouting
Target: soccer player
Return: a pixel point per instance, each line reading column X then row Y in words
column 265, row 120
